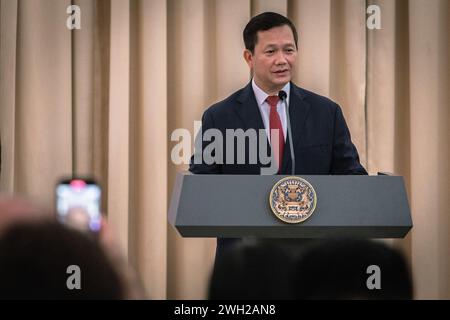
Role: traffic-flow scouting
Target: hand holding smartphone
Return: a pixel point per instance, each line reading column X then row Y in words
column 78, row 204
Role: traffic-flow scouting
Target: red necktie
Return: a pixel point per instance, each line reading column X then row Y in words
column 275, row 124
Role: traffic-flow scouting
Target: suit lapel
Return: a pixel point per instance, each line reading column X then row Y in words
column 248, row 110
column 298, row 112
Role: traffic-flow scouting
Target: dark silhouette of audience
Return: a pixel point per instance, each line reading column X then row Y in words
column 34, row 261
column 338, row 269
column 251, row 271
column 36, row 251
column 313, row 269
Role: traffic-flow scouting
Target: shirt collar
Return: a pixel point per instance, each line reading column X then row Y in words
column 261, row 96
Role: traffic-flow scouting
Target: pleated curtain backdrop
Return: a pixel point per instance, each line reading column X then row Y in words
column 103, row 101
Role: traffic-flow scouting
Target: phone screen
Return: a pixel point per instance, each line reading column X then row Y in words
column 78, row 204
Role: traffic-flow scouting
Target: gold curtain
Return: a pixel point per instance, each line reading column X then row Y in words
column 103, row 101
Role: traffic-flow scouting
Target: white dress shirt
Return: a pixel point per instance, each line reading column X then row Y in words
column 264, row 107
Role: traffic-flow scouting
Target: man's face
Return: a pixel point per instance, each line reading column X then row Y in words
column 274, row 58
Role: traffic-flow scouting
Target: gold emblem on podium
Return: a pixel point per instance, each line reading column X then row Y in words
column 293, row 199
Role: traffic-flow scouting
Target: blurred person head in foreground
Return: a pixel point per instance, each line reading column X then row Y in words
column 39, row 258
column 351, row 269
column 252, row 270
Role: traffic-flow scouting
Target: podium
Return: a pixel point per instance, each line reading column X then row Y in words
column 237, row 206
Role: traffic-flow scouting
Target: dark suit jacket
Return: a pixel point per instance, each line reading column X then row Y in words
column 321, row 139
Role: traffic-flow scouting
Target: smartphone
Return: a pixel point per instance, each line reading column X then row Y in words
column 78, row 204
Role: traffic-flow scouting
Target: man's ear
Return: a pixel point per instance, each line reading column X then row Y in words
column 248, row 57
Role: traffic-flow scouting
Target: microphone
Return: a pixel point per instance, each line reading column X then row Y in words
column 283, row 96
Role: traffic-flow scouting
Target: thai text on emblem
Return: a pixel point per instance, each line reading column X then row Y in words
column 293, row 199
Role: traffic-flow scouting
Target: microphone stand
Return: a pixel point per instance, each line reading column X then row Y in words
column 283, row 96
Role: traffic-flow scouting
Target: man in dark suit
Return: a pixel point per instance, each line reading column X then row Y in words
column 321, row 140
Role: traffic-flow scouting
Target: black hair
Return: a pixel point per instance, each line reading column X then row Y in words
column 34, row 261
column 337, row 269
column 251, row 271
column 263, row 22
